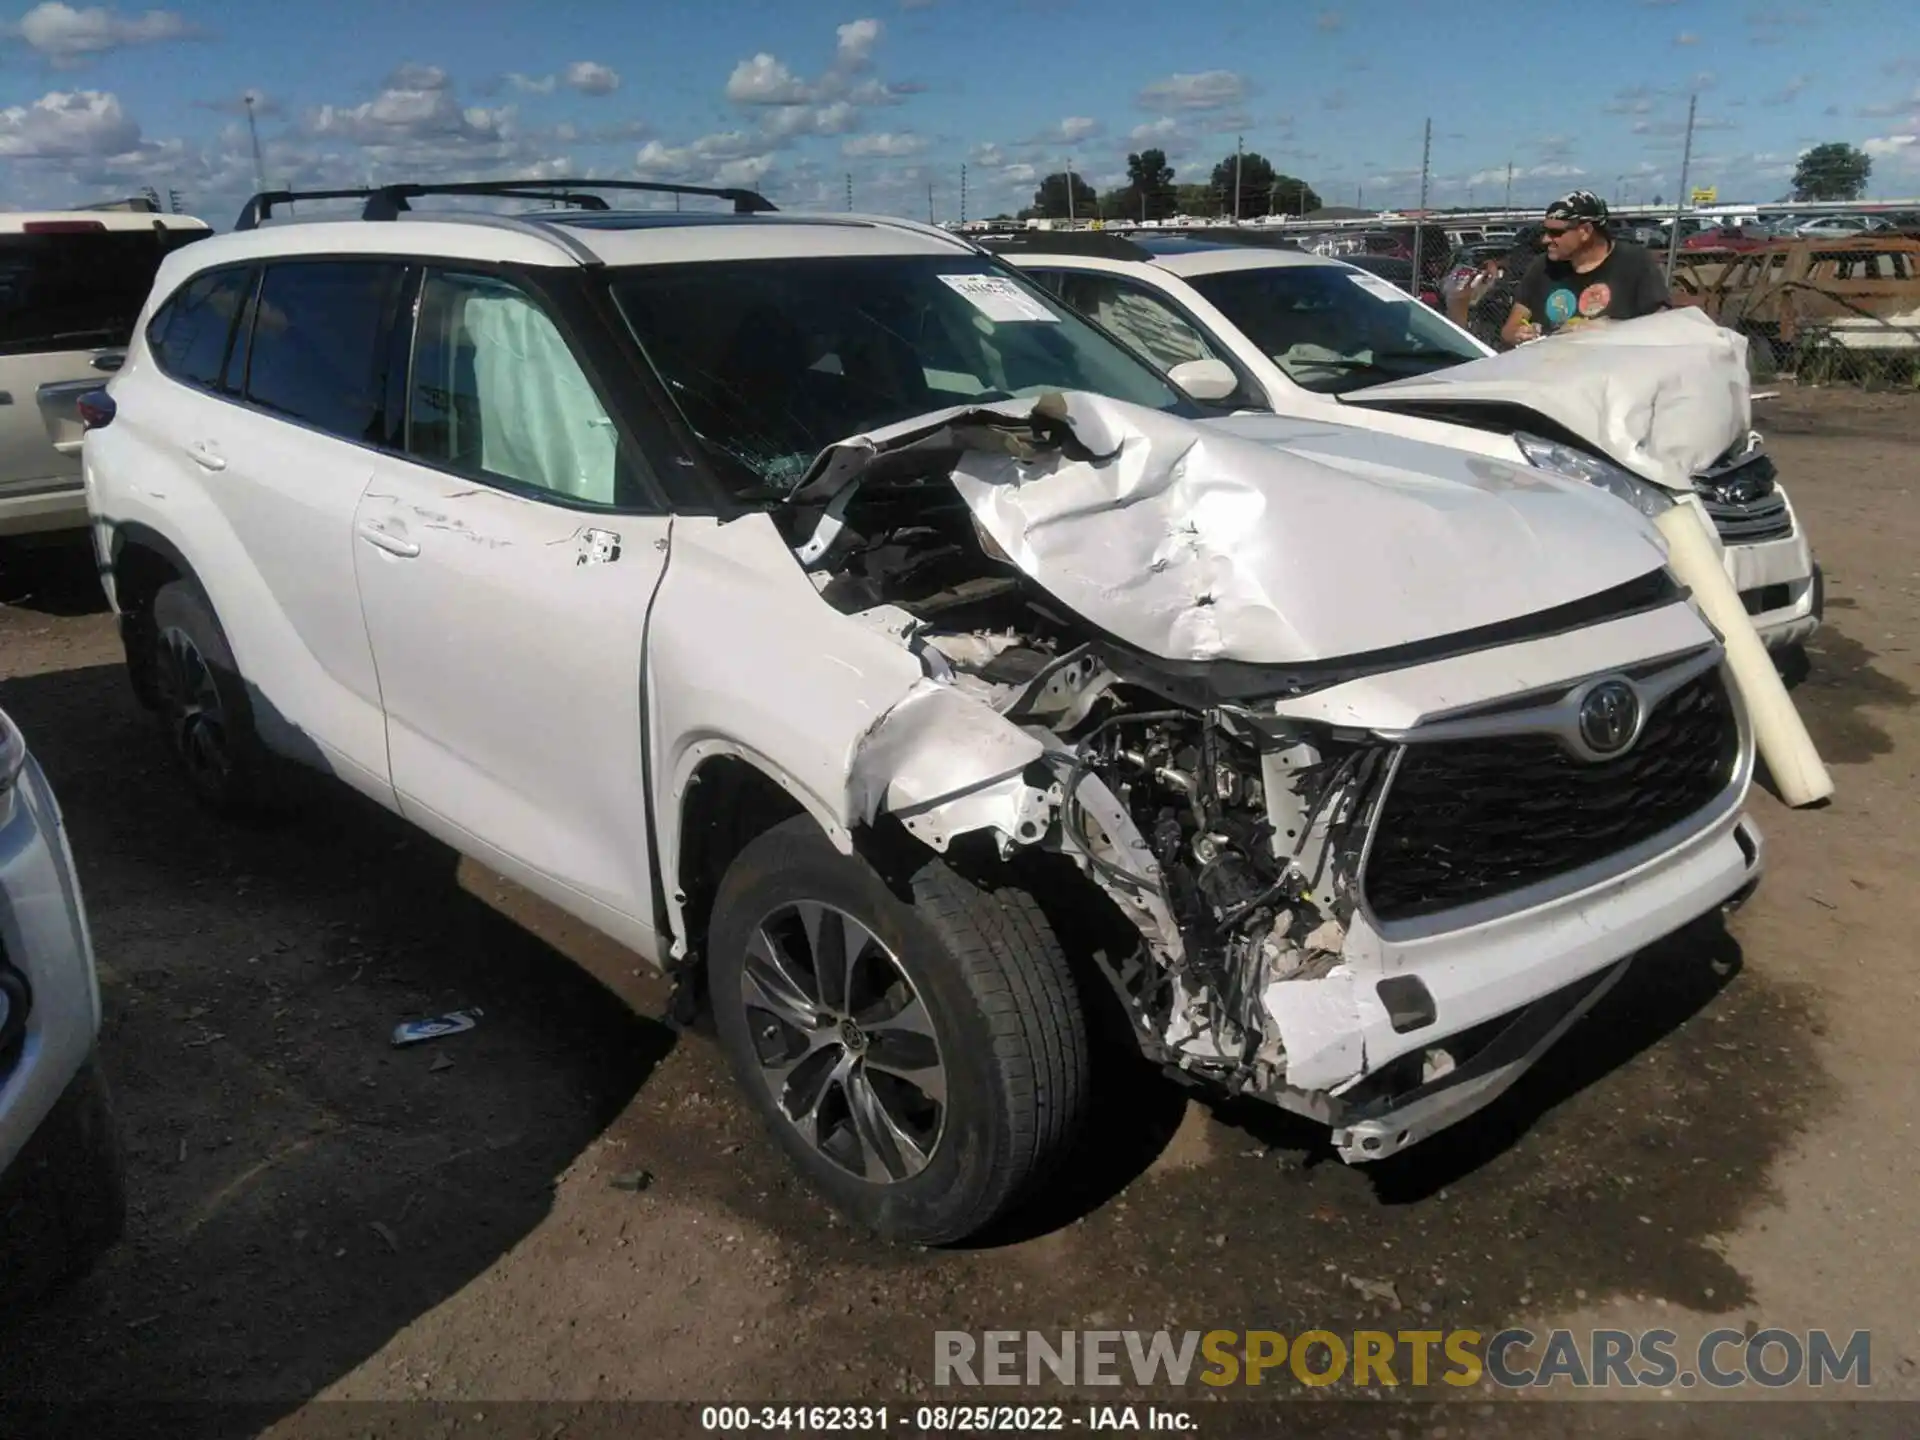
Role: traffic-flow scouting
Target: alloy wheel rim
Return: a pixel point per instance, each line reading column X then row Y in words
column 194, row 711
column 844, row 1043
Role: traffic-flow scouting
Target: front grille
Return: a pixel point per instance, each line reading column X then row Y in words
column 1471, row 820
column 1751, row 522
column 1743, row 502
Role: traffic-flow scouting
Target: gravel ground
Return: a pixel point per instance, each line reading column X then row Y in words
column 317, row 1216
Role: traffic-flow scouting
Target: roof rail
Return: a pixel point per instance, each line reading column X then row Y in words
column 386, row 202
column 1067, row 242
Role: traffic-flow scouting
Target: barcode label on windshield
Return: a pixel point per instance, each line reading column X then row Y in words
column 998, row 298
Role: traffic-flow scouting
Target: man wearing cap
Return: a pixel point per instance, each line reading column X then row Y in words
column 1585, row 275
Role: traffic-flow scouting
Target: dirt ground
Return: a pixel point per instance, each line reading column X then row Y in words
column 319, row 1216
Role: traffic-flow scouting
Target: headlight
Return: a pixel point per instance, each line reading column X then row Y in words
column 1574, row 464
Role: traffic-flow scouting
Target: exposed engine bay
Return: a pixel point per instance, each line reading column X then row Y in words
column 1229, row 838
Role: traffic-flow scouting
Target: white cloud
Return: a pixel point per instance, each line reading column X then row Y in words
column 590, row 77
column 884, row 145
column 1162, row 132
column 749, row 170
column 1079, row 127
column 529, row 85
column 856, row 40
column 1205, row 90
column 1555, row 170
column 987, row 157
column 1022, row 174
column 703, row 159
column 416, row 105
column 67, row 124
column 765, row 80
column 1909, row 106
column 1686, row 37
column 1904, row 148
column 67, row 36
column 791, row 121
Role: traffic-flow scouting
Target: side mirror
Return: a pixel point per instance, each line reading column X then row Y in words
column 1205, row 379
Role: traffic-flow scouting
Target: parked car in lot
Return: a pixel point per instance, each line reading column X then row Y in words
column 70, row 284
column 1841, row 227
column 62, row 1185
column 823, row 609
column 1299, row 334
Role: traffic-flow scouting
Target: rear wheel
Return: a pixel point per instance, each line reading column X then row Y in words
column 204, row 707
column 921, row 1060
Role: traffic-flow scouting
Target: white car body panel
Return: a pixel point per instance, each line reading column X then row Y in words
column 1203, row 542
column 508, row 650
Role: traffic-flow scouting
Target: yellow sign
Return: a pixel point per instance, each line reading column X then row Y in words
column 1705, row 195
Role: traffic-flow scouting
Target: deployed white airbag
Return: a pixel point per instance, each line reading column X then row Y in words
column 1665, row 395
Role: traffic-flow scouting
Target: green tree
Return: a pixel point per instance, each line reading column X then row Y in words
column 1050, row 200
column 1293, row 197
column 1195, row 200
column 1263, row 189
column 1834, row 171
column 1150, row 189
column 1256, row 184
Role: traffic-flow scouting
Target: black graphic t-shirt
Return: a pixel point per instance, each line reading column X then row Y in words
column 1624, row 286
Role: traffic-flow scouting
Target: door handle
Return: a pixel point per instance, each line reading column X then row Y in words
column 109, row 360
column 206, row 456
column 380, row 538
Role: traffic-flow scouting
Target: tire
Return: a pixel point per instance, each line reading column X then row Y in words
column 1003, row 1026
column 63, row 1203
column 204, row 708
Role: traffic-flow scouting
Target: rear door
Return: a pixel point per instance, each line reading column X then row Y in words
column 70, row 291
column 285, row 463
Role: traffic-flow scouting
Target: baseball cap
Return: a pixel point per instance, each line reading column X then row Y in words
column 1579, row 207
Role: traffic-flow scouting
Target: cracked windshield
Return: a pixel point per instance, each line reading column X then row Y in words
column 1332, row 328
column 772, row 361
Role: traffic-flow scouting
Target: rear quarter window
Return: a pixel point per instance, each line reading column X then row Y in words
column 191, row 334
column 319, row 343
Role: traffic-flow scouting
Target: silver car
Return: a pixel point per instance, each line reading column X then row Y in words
column 62, row 1191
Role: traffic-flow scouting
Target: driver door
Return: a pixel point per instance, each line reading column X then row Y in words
column 507, row 564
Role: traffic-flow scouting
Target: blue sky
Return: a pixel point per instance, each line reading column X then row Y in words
column 795, row 95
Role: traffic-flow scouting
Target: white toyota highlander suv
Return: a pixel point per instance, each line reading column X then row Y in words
column 820, row 608
column 1312, row 336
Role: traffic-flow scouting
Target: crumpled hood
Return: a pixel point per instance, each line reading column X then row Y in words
column 1262, row 539
column 1665, row 395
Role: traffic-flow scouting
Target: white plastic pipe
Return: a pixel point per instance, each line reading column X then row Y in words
column 1777, row 728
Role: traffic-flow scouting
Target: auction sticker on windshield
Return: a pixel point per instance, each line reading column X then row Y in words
column 998, row 298
column 1374, row 285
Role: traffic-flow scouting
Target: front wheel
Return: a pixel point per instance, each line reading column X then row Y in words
column 923, row 1061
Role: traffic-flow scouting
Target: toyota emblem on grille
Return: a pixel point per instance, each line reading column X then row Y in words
column 1609, row 716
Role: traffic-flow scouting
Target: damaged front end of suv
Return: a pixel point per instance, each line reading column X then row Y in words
column 1386, row 818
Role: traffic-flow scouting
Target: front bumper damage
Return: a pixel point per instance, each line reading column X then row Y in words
column 1230, row 807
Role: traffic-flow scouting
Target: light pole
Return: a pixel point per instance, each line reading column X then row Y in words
column 253, row 130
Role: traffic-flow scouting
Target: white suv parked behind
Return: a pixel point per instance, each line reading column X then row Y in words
column 1308, row 335
column 818, row 607
column 71, row 283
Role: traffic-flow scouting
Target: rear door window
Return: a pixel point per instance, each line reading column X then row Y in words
column 319, row 349
column 190, row 335
column 78, row 290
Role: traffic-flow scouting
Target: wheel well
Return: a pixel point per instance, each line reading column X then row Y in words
column 139, row 572
column 728, row 805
